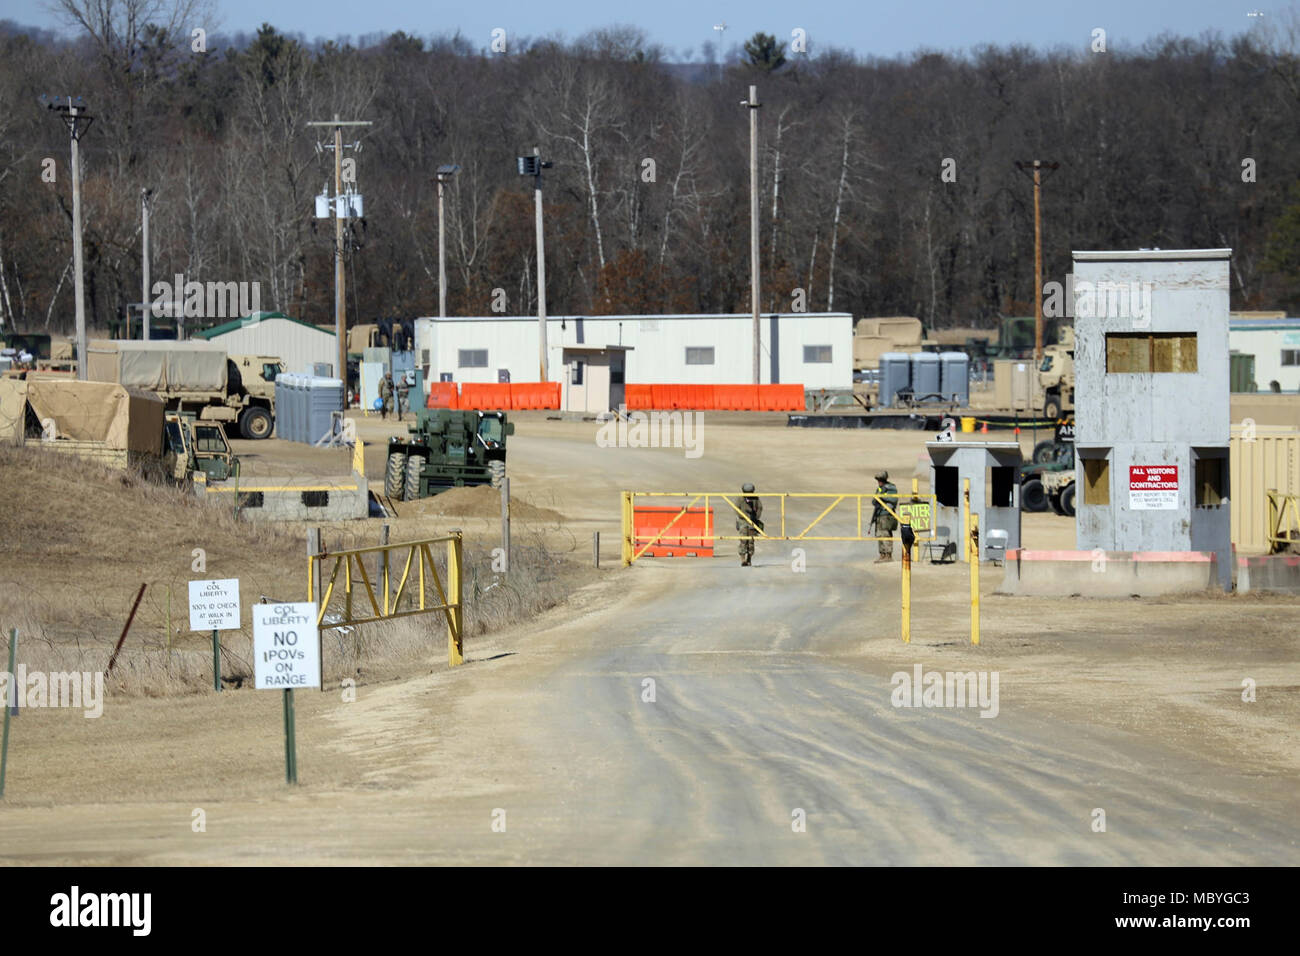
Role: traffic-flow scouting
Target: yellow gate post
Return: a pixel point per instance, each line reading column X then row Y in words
column 907, row 588
column 627, row 529
column 965, row 511
column 455, row 616
column 973, row 545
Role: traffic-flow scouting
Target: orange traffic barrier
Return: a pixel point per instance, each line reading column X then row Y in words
column 485, row 396
column 780, row 398
column 686, row 538
column 735, row 398
column 526, row 395
column 637, row 397
column 443, row 395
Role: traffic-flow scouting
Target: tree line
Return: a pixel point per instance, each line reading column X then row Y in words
column 887, row 186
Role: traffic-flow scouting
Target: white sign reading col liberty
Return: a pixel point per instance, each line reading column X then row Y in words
column 285, row 649
column 214, row 605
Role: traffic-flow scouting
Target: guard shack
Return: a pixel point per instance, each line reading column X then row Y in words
column 1151, row 398
column 992, row 468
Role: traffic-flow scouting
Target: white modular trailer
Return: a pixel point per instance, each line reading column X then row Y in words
column 1275, row 343
column 813, row 349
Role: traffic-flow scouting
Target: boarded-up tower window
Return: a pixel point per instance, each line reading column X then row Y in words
column 1137, row 352
column 1096, row 481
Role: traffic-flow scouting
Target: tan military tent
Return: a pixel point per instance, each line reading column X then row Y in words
column 103, row 412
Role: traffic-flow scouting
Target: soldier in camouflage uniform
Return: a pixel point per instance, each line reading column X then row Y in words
column 882, row 520
column 753, row 509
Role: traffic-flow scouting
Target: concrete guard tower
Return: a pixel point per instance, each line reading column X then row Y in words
column 1151, row 402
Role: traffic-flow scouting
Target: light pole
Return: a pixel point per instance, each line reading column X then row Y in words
column 533, row 166
column 146, row 195
column 444, row 175
column 73, row 118
column 753, row 105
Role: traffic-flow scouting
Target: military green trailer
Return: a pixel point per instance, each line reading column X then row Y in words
column 447, row 449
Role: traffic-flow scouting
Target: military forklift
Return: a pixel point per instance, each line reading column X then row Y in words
column 447, row 448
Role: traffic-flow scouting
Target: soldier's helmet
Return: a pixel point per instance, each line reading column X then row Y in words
column 882, row 475
column 747, row 487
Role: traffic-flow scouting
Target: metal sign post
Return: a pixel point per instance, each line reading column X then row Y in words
column 286, row 656
column 10, row 688
column 214, row 605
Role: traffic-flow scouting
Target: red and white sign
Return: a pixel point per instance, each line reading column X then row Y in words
column 1153, row 487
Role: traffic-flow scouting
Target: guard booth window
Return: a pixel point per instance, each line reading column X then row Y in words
column 1211, row 479
column 945, row 486
column 1096, row 481
column 1002, row 481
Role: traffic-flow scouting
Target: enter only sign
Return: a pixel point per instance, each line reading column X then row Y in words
column 286, row 654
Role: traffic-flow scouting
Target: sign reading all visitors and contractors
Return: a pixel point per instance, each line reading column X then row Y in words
column 214, row 605
column 286, row 654
column 1153, row 487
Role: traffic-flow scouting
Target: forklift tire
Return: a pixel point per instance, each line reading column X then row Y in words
column 497, row 471
column 1044, row 452
column 1067, row 500
column 395, row 476
column 1054, row 501
column 1032, row 497
column 414, row 465
column 255, row 423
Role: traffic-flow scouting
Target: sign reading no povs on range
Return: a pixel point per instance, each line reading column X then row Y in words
column 286, row 654
column 214, row 605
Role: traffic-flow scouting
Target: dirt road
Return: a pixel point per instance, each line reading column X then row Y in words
column 771, row 698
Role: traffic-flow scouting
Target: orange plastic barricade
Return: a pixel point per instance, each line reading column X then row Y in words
column 661, row 396
column 526, row 395
column 443, row 395
column 735, row 398
column 485, row 396
column 704, row 400
column 637, row 397
column 780, row 398
column 685, row 539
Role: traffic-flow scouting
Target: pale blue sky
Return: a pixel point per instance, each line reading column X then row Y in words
column 683, row 26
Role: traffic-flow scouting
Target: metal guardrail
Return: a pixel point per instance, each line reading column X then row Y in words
column 387, row 604
column 920, row 518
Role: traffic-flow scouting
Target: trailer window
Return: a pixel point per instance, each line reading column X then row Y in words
column 472, row 358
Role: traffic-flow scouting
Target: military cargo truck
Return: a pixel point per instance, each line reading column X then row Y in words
column 235, row 390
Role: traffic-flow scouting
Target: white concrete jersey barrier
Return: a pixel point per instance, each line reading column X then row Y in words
column 1269, row 572
column 1106, row 574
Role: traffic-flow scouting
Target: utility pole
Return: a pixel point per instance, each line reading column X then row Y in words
column 444, row 176
column 145, row 196
column 533, row 166
column 340, row 214
column 753, row 105
column 1037, row 166
column 73, row 118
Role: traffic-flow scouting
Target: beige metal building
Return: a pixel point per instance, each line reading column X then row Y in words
column 1262, row 458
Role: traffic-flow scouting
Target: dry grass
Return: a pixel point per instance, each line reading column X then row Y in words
column 77, row 540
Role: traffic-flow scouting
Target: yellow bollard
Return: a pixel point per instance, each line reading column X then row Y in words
column 455, row 597
column 907, row 586
column 965, row 510
column 627, row 529
column 973, row 545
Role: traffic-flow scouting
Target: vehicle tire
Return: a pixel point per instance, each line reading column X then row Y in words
column 1054, row 502
column 1032, row 497
column 256, row 423
column 1044, row 452
column 1052, row 409
column 497, row 469
column 395, row 476
column 414, row 465
column 1067, row 500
